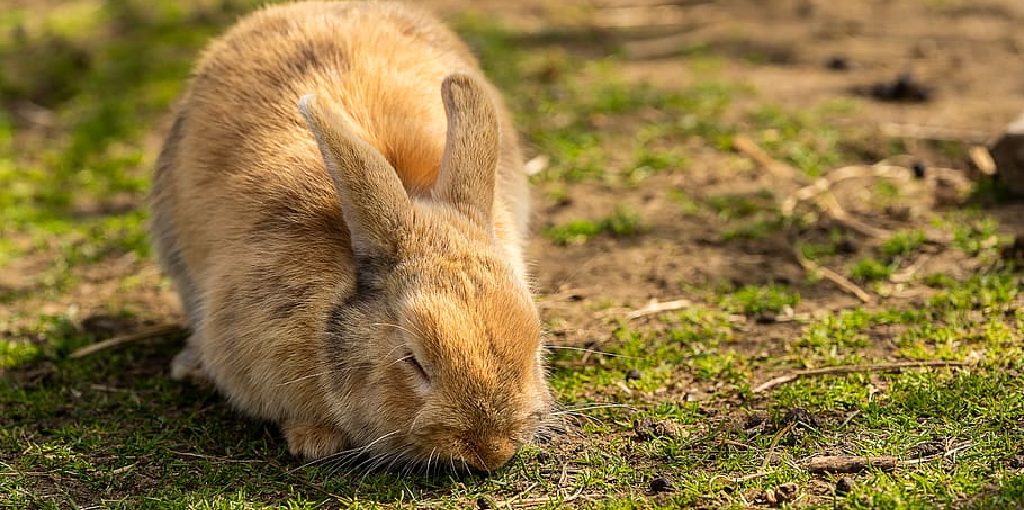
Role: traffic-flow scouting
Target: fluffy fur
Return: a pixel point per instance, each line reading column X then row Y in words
column 351, row 263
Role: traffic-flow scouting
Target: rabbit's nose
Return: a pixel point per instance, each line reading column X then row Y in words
column 491, row 454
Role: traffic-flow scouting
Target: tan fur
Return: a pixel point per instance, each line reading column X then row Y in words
column 317, row 253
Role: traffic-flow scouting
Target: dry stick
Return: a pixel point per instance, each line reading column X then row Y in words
column 908, row 273
column 852, row 369
column 829, row 203
column 775, row 442
column 836, row 278
column 750, row 149
column 982, row 160
column 850, row 463
column 857, row 463
column 657, row 307
column 819, row 191
column 838, row 175
column 143, row 334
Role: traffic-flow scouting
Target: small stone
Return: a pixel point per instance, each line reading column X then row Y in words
column 543, row 457
column 659, row 485
column 846, row 246
column 483, row 504
column 1017, row 462
column 919, row 170
column 904, row 89
column 837, row 63
column 786, row 492
column 799, row 416
column 649, row 428
column 633, row 375
column 844, row 485
column 1014, row 252
column 1008, row 154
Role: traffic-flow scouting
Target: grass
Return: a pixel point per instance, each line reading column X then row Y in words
column 622, row 222
column 112, row 430
column 755, row 299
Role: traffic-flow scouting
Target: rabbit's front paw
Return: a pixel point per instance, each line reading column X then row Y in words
column 187, row 366
column 313, row 441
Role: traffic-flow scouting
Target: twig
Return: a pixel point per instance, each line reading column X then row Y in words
column 850, row 463
column 852, row 369
column 657, row 307
column 819, row 191
column 750, row 149
column 982, row 160
column 535, row 502
column 215, row 458
column 836, row 278
column 908, row 273
column 747, row 477
column 143, row 334
column 775, row 442
column 508, row 502
column 838, row 175
column 857, row 463
column 829, row 203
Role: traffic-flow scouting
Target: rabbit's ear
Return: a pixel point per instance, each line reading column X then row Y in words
column 471, row 153
column 373, row 200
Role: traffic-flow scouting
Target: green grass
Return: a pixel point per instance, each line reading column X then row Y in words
column 755, row 299
column 622, row 222
column 902, row 243
column 869, row 270
column 113, row 431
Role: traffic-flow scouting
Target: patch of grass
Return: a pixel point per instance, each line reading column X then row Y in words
column 902, row 243
column 687, row 204
column 801, row 139
column 648, row 161
column 755, row 299
column 975, row 235
column 574, row 232
column 621, row 223
column 757, row 229
column 869, row 269
column 733, row 206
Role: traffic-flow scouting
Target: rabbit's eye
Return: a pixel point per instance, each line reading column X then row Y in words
column 412, row 361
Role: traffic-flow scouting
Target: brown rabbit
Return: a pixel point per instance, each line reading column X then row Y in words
column 354, row 272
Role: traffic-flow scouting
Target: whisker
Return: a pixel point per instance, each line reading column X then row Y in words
column 591, row 351
column 589, row 408
column 347, row 454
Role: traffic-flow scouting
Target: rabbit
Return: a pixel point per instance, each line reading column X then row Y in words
column 342, row 208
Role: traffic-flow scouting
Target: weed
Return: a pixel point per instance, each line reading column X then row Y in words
column 754, row 299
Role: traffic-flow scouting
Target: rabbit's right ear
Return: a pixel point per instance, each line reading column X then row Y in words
column 373, row 200
column 470, row 159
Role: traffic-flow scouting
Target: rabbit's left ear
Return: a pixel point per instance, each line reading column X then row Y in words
column 470, row 157
column 373, row 201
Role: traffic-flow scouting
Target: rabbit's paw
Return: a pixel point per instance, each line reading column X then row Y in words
column 313, row 441
column 186, row 366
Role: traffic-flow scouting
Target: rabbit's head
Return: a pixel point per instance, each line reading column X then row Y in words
column 436, row 352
